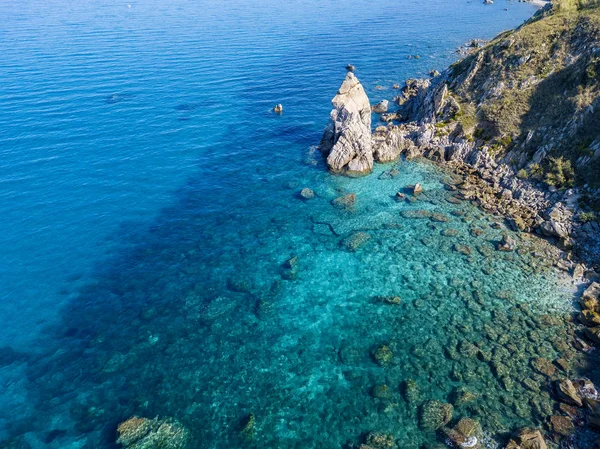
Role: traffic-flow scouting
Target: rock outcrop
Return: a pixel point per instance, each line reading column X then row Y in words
column 347, row 139
column 523, row 121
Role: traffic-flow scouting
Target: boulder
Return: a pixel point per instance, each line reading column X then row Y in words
column 568, row 393
column 387, row 145
column 346, row 141
column 527, row 439
column 381, row 107
column 589, row 318
column 466, row 434
column 558, row 222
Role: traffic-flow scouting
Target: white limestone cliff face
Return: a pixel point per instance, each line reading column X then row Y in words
column 347, row 139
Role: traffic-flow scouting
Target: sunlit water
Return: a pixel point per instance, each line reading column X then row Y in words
column 150, row 203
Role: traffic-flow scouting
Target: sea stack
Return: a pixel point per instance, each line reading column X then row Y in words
column 347, row 139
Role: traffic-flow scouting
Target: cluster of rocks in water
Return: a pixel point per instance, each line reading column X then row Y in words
column 418, row 128
column 495, row 188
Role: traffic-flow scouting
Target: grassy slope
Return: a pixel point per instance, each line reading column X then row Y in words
column 538, row 86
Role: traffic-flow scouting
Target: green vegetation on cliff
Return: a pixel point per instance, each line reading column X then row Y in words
column 536, row 91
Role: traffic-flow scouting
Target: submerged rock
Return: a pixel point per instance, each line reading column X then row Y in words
column 507, row 244
column 381, row 392
column 543, row 366
column 144, row 433
column 435, row 414
column 247, row 427
column 394, row 300
column 416, row 213
column 347, row 139
column 412, row 392
column 466, row 434
column 307, row 194
column 568, row 393
column 380, row 441
column 383, row 355
column 355, row 241
column 344, row 201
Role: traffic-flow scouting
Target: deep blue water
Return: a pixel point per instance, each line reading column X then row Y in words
column 149, row 201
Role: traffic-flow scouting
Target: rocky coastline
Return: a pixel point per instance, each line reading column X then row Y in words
column 497, row 166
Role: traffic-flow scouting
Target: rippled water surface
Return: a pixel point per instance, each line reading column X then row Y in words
column 157, row 259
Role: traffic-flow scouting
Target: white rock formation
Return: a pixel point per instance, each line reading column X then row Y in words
column 347, row 138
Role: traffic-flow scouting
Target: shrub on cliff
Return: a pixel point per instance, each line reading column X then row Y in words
column 560, row 173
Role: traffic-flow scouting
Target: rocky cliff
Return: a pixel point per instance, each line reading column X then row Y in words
column 347, row 139
column 523, row 115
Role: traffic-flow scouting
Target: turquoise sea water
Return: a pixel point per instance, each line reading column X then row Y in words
column 150, row 205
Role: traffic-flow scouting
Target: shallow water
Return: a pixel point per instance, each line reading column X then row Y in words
column 151, row 203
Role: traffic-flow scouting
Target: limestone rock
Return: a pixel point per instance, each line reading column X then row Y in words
column 347, row 139
column 387, row 145
column 558, row 222
column 381, row 107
